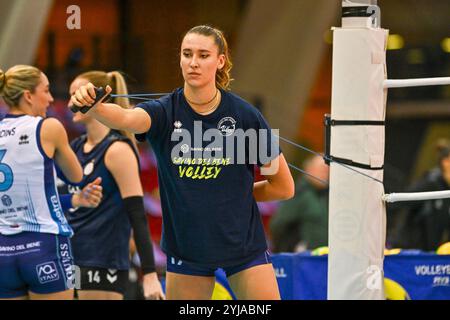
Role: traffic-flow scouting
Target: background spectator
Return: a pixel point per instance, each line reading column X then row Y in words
column 302, row 222
column 426, row 224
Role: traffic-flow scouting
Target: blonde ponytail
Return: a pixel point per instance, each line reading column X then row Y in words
column 124, row 102
column 120, row 88
column 117, row 82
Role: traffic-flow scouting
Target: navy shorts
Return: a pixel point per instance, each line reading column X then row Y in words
column 38, row 262
column 176, row 265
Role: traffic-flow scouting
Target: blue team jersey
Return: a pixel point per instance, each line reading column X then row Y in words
column 210, row 216
column 102, row 234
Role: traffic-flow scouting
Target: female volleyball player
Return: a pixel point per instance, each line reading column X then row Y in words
column 210, row 215
column 35, row 252
column 102, row 234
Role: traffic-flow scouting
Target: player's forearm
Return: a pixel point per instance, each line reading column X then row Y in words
column 113, row 116
column 267, row 191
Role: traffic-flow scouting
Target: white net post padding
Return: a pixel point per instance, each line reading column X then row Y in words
column 357, row 215
column 416, row 196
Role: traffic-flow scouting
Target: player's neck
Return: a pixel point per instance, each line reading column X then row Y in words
column 203, row 100
column 20, row 110
column 200, row 95
column 96, row 132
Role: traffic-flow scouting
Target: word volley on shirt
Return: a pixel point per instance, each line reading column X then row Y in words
column 200, row 168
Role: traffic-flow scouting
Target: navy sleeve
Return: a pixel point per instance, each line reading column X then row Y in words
column 268, row 141
column 158, row 118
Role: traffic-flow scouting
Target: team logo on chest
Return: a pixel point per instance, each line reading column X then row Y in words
column 227, row 126
column 6, row 200
column 89, row 168
column 24, row 139
column 185, row 148
column 177, row 125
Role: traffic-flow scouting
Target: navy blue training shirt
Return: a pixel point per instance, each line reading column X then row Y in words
column 210, row 216
column 102, row 234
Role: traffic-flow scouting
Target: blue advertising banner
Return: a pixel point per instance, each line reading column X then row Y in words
column 408, row 275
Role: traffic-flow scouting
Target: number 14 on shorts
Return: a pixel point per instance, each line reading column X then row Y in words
column 94, row 276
